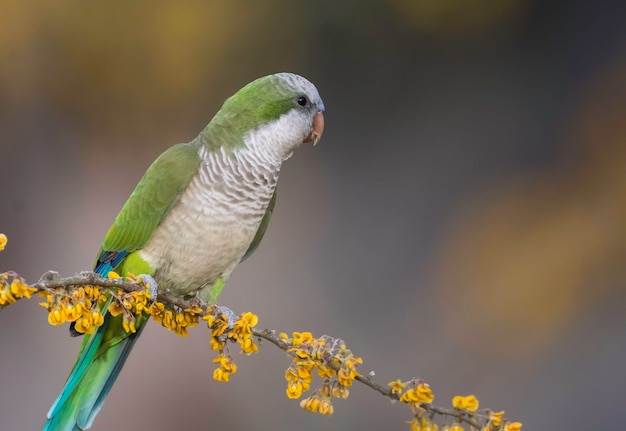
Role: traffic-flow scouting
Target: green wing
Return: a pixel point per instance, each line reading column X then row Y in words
column 262, row 228
column 158, row 190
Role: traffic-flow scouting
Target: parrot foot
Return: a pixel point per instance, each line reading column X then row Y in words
column 151, row 283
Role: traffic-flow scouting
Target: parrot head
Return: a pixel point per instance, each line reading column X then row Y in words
column 272, row 115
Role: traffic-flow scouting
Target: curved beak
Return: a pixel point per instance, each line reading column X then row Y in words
column 317, row 128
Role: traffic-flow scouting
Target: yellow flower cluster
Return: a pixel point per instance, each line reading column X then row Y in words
column 13, row 287
column 3, row 241
column 331, row 360
column 218, row 324
column 423, row 421
column 299, row 380
column 135, row 305
column 226, row 368
column 131, row 305
column 80, row 305
column 422, row 424
column 414, row 392
column 221, row 331
column 242, row 333
column 495, row 424
column 176, row 321
column 495, row 418
column 469, row 403
column 317, row 404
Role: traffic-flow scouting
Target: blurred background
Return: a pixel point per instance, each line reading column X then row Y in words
column 462, row 219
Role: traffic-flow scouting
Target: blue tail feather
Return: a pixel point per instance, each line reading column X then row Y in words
column 89, row 383
column 99, row 363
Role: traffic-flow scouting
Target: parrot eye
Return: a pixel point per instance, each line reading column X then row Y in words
column 302, row 101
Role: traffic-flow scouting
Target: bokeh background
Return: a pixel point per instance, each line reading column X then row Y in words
column 462, row 220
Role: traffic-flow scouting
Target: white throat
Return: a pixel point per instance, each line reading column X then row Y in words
column 274, row 142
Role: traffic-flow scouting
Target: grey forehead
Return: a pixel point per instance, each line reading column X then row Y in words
column 298, row 84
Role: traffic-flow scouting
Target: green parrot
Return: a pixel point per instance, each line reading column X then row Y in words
column 200, row 209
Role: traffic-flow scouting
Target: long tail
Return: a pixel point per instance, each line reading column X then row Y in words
column 102, row 356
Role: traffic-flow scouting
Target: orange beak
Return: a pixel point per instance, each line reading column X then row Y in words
column 317, row 128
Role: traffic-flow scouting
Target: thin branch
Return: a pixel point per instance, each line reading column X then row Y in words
column 271, row 336
column 51, row 281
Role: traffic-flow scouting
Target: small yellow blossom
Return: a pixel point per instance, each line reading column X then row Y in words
column 128, row 323
column 72, row 312
column 326, row 407
column 423, row 424
column 296, row 385
column 396, row 387
column 115, row 308
column 315, row 404
column 325, row 390
column 92, row 292
column 241, row 331
column 340, row 392
column 304, row 372
column 248, row 320
column 113, row 274
column 345, row 377
column 324, row 371
column 513, row 426
column 89, row 322
column 300, row 338
column 456, row 427
column 495, row 418
column 249, row 346
column 217, row 344
column 294, row 389
column 220, row 375
column 469, row 403
column 218, row 325
column 424, row 394
column 13, row 287
column 194, row 309
column 168, row 320
column 418, row 395
column 21, row 290
column 98, row 318
column 157, row 310
column 55, row 317
column 311, row 404
column 414, row 425
column 226, row 368
column 3, row 241
column 429, row 425
column 6, row 297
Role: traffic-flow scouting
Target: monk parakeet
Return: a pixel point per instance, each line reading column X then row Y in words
column 200, row 209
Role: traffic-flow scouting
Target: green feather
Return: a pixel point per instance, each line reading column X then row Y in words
column 158, row 190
